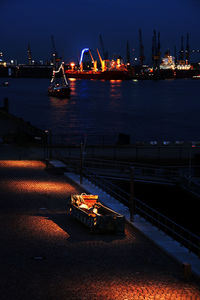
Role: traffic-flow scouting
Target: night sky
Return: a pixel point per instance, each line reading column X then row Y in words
column 76, row 24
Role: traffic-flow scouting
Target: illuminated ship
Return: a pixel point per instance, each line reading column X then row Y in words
column 92, row 213
column 110, row 69
column 196, row 76
column 168, row 63
column 5, row 83
column 59, row 86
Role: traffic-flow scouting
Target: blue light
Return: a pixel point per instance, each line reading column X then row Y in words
column 82, row 53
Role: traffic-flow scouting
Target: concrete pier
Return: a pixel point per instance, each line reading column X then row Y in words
column 46, row 254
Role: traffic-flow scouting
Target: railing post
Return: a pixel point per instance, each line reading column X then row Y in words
column 46, row 145
column 198, row 249
column 50, row 144
column 132, row 200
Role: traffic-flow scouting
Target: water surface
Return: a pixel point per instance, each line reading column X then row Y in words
column 145, row 110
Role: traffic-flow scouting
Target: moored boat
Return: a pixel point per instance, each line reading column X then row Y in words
column 58, row 91
column 92, row 213
column 59, row 86
column 196, row 77
column 5, row 83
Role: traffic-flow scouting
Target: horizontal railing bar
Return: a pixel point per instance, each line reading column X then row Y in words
column 146, row 210
column 171, row 230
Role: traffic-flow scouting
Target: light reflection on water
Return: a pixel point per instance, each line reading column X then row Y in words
column 72, row 82
column 115, row 90
column 146, row 110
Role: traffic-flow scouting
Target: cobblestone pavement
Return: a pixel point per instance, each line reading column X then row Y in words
column 45, row 254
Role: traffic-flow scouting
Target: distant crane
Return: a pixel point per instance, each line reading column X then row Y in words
column 187, row 49
column 105, row 53
column 128, row 59
column 93, row 61
column 29, row 55
column 156, row 49
column 87, row 50
column 54, row 54
column 102, row 61
column 175, row 55
column 181, row 52
column 141, row 57
column 153, row 48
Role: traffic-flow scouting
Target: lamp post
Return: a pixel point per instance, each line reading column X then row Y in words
column 46, row 147
column 190, row 167
column 194, row 145
column 72, row 64
column 50, row 144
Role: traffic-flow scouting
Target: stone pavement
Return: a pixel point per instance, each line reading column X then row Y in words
column 46, row 254
column 160, row 238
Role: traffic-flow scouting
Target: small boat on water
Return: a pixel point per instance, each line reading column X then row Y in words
column 196, row 77
column 5, row 83
column 92, row 213
column 59, row 86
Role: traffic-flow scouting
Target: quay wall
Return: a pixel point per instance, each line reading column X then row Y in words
column 14, row 129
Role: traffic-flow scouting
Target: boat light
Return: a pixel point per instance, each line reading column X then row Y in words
column 95, row 210
column 72, row 64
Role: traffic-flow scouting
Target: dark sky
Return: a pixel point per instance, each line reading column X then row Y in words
column 76, row 24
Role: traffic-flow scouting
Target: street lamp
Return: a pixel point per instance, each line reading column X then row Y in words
column 194, row 145
column 46, row 147
column 72, row 64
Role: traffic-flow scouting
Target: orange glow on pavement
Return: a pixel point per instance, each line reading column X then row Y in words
column 21, row 164
column 41, row 227
column 134, row 288
column 40, row 186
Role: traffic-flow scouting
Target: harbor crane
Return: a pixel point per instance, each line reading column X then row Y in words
column 156, row 49
column 128, row 59
column 142, row 58
column 103, row 65
column 187, row 49
column 56, row 59
column 93, row 61
column 105, row 53
column 29, row 55
column 86, row 50
column 181, row 52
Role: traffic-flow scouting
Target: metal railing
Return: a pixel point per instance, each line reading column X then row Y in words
column 108, row 168
column 176, row 231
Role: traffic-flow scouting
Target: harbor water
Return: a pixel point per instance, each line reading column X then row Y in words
column 161, row 110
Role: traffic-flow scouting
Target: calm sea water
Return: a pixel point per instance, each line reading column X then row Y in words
column 145, row 110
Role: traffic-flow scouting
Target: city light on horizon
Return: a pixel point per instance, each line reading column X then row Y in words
column 85, row 30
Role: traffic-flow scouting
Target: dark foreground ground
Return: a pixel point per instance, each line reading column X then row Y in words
column 45, row 254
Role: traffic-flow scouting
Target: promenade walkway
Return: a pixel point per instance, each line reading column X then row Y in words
column 46, row 254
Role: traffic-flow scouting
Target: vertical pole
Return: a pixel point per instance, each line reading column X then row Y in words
column 50, row 144
column 132, row 201
column 190, row 167
column 46, row 147
column 81, row 163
